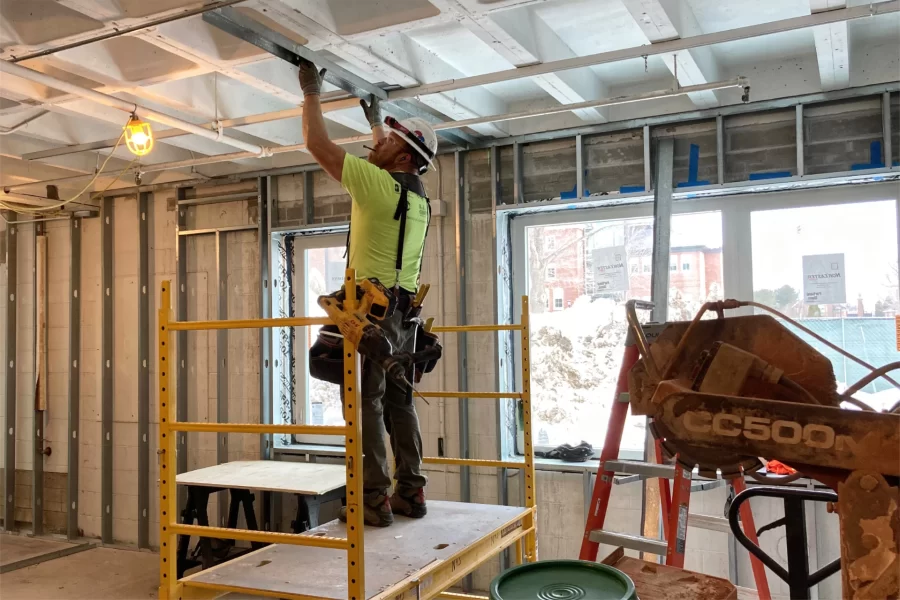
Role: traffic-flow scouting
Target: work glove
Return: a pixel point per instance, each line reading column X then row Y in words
column 372, row 112
column 310, row 78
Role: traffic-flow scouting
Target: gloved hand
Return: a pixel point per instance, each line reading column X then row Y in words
column 310, row 78
column 372, row 112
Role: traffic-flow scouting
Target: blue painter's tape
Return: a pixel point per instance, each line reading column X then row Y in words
column 875, row 161
column 630, row 189
column 693, row 167
column 685, row 184
column 573, row 193
column 771, row 175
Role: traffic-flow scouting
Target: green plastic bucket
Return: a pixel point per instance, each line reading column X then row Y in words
column 563, row 580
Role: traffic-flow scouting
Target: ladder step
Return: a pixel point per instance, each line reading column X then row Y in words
column 638, row 471
column 645, row 469
column 632, row 542
column 710, row 523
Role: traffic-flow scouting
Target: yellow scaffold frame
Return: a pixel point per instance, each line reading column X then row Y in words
column 170, row 587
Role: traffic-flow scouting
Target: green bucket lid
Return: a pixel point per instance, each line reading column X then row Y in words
column 563, row 580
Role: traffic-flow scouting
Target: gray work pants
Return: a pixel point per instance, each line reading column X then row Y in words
column 386, row 402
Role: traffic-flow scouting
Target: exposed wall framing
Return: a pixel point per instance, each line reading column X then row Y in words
column 106, row 359
column 40, row 366
column 143, row 370
column 9, row 455
column 74, row 413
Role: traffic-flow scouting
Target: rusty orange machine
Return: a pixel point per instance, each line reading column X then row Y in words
column 724, row 392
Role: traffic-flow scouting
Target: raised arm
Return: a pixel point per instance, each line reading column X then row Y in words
column 373, row 116
column 329, row 155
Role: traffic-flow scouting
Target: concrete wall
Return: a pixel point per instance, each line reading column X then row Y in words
column 760, row 143
column 838, row 135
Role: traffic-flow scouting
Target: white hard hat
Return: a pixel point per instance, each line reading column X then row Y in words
column 417, row 133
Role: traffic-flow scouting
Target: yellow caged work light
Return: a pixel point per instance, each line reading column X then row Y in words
column 138, row 136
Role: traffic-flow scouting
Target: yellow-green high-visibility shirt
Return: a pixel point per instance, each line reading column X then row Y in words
column 374, row 231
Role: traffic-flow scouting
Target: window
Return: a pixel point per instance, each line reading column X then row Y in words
column 686, row 266
column 859, row 241
column 578, row 343
column 313, row 266
column 578, row 326
column 673, row 267
column 551, row 272
column 696, row 245
column 551, row 243
column 559, row 296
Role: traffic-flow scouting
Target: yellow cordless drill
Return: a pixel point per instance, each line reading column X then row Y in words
column 375, row 301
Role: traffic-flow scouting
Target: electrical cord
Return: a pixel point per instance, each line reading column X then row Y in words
column 44, row 209
column 58, row 205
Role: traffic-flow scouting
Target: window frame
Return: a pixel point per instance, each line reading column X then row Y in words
column 736, row 242
column 302, row 243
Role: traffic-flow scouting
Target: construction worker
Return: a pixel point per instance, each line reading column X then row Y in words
column 389, row 220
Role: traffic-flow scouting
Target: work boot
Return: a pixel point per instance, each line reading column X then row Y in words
column 376, row 509
column 409, row 503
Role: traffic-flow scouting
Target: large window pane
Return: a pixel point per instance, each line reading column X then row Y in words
column 324, row 275
column 859, row 241
column 579, row 277
column 578, row 324
column 695, row 264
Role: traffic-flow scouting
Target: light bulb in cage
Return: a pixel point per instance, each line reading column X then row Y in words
column 138, row 136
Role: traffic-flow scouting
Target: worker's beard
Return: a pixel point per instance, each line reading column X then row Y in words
column 380, row 157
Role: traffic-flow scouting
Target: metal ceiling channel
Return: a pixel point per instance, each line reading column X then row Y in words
column 277, row 44
column 273, row 42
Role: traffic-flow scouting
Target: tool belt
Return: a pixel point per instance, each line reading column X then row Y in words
column 326, row 355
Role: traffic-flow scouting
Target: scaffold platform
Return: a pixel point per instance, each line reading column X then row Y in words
column 413, row 558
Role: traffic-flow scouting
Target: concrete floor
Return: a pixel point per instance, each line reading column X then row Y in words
column 97, row 573
column 16, row 549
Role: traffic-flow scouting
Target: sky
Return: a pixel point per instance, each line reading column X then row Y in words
column 866, row 233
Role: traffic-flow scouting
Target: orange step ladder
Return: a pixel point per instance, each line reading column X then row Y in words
column 675, row 485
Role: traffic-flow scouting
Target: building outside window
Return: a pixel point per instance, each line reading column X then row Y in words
column 578, row 342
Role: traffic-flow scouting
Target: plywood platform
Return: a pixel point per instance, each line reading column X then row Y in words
column 392, row 554
column 311, row 479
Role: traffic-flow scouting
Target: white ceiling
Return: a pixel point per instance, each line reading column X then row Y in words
column 194, row 71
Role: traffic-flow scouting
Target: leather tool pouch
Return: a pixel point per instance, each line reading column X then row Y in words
column 428, row 346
